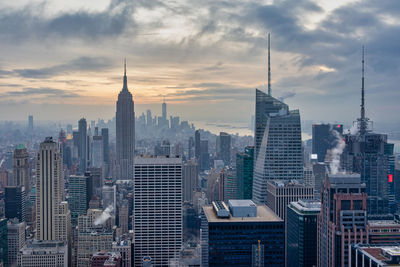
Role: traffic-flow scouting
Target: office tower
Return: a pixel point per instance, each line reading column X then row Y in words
column 15, row 203
column 301, row 233
column 281, row 192
column 15, row 240
column 277, row 144
column 124, row 248
column 319, row 172
column 384, row 231
column 224, row 148
column 190, row 177
column 124, row 217
column 342, row 219
column 50, row 210
column 174, row 122
column 97, row 159
column 83, row 145
column 149, row 118
column 65, row 148
column 227, row 184
column 39, row 253
column 5, row 177
column 228, row 234
column 204, row 156
column 197, row 144
column 3, row 241
column 363, row 255
column 79, row 194
column 158, row 209
column 106, row 149
column 190, row 148
column 125, row 132
column 324, row 138
column 89, row 242
column 244, row 173
column 21, row 170
column 30, row 123
column 164, row 110
column 110, row 196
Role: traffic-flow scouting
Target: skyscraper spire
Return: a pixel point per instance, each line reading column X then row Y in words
column 363, row 120
column 269, row 65
column 125, row 87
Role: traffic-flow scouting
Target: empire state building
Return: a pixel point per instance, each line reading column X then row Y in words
column 125, row 132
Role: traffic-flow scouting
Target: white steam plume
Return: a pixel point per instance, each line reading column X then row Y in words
column 104, row 216
column 354, row 129
column 336, row 152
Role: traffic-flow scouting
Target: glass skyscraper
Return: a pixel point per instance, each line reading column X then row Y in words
column 277, row 144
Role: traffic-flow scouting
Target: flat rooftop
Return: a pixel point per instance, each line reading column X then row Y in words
column 154, row 160
column 383, row 223
column 264, row 214
column 288, row 183
column 241, row 202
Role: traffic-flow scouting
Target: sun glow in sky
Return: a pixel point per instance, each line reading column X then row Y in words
column 205, row 57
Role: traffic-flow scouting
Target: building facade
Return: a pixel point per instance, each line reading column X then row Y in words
column 157, row 216
column 244, row 173
column 281, row 192
column 229, row 234
column 125, row 132
column 277, row 144
column 39, row 253
column 301, row 233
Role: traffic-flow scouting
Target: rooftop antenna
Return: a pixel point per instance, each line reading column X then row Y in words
column 125, row 79
column 363, row 120
column 269, row 65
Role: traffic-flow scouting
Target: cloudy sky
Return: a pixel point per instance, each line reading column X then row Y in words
column 64, row 59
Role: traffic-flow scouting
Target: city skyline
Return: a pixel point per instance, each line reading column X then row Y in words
column 194, row 57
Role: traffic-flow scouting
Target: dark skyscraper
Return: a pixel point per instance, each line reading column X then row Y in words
column 125, row 131
column 197, row 144
column 82, row 149
column 164, row 111
column 204, row 155
column 244, row 173
column 277, row 144
column 15, row 200
column 323, row 138
column 301, row 233
column 30, row 123
column 224, row 148
column 372, row 156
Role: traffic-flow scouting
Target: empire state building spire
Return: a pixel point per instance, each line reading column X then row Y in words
column 125, row 86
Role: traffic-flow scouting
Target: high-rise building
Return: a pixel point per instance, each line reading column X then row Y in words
column 125, row 132
column 224, row 148
column 325, row 138
column 229, row 233
column 30, row 123
column 190, row 148
column 204, row 155
column 39, row 253
column 83, row 145
column 227, row 184
column 50, row 209
column 277, row 144
column 104, row 134
column 164, row 110
column 342, row 220
column 197, row 144
column 190, row 177
column 90, row 242
column 15, row 240
column 79, row 194
column 110, row 196
column 21, row 170
column 301, row 233
column 15, row 202
column 3, row 241
column 97, row 158
column 124, row 248
column 109, row 259
column 244, row 173
column 157, row 216
column 124, row 217
column 282, row 192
